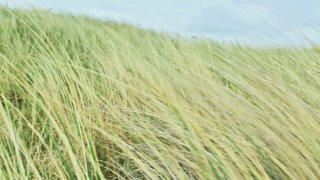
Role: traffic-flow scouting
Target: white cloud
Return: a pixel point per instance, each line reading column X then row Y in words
column 250, row 21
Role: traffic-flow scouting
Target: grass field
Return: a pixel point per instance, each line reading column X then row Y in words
column 87, row 99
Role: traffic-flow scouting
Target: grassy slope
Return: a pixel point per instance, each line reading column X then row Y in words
column 81, row 98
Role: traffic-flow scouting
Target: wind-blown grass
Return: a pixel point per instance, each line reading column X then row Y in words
column 86, row 99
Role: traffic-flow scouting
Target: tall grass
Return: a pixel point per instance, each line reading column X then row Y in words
column 86, row 99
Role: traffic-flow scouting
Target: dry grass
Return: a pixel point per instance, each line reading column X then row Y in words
column 86, row 99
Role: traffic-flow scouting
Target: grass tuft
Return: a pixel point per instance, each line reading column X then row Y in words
column 85, row 99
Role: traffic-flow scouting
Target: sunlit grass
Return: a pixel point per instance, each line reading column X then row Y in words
column 86, row 99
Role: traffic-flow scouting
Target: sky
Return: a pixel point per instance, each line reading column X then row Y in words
column 252, row 22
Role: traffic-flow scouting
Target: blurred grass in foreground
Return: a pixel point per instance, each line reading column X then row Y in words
column 86, row 99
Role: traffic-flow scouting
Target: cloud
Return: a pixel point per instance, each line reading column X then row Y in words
column 249, row 21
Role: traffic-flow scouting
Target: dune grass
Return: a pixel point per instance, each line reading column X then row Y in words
column 87, row 99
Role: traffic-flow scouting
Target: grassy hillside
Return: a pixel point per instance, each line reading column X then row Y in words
column 86, row 99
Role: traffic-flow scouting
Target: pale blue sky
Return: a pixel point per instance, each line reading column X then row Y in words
column 254, row 22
